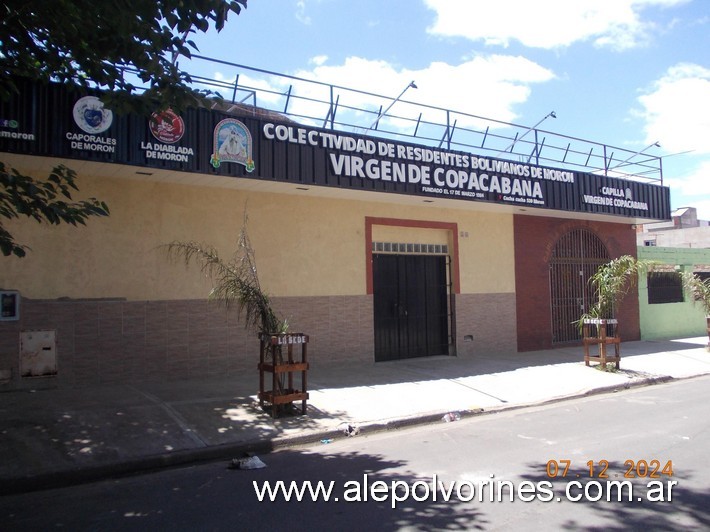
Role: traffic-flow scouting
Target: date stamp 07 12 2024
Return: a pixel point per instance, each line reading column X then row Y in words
column 653, row 469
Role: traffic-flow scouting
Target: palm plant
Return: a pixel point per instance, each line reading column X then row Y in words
column 611, row 282
column 698, row 289
column 235, row 281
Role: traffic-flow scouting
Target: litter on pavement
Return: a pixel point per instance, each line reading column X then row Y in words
column 250, row 462
column 349, row 429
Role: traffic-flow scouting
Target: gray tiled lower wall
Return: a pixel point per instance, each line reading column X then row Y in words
column 116, row 341
column 490, row 320
column 111, row 341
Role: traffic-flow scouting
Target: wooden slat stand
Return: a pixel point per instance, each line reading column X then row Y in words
column 601, row 338
column 276, row 357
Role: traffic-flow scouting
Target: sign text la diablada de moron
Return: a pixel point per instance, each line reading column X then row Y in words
column 444, row 173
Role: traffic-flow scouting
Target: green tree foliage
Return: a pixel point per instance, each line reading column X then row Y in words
column 113, row 46
column 43, row 201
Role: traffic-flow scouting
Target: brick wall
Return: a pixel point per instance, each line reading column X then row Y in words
column 535, row 238
column 125, row 341
column 128, row 341
column 490, row 319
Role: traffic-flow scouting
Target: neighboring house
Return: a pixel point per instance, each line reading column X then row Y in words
column 681, row 245
column 684, row 230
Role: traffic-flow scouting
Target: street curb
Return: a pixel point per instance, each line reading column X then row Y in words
column 214, row 453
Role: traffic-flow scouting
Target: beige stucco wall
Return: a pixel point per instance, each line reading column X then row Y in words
column 485, row 244
column 305, row 245
column 487, row 254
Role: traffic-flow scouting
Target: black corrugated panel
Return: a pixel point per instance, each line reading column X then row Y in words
column 49, row 120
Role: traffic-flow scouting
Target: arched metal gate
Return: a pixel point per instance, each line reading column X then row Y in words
column 576, row 257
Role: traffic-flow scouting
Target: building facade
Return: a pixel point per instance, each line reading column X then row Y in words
column 683, row 230
column 665, row 310
column 377, row 248
column 681, row 244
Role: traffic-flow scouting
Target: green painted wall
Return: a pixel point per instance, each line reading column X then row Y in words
column 671, row 320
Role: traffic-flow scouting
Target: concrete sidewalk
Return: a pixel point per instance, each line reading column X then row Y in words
column 55, row 437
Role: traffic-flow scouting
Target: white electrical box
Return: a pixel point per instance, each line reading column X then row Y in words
column 38, row 353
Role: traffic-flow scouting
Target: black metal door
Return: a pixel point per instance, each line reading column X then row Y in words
column 410, row 306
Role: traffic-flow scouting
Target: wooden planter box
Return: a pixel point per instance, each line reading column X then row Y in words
column 601, row 333
column 276, row 356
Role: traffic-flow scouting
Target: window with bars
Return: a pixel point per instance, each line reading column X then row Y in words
column 398, row 247
column 664, row 287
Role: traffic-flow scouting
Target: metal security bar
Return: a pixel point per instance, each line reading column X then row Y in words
column 575, row 258
column 401, row 247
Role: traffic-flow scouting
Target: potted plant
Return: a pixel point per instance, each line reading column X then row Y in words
column 237, row 282
column 611, row 282
column 699, row 290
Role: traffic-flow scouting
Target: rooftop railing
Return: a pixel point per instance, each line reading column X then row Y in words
column 320, row 104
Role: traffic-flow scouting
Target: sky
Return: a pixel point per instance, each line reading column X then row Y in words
column 628, row 73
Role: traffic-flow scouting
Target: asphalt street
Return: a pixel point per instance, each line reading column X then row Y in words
column 544, row 456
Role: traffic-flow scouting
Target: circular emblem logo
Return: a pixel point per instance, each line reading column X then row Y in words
column 90, row 115
column 167, row 126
